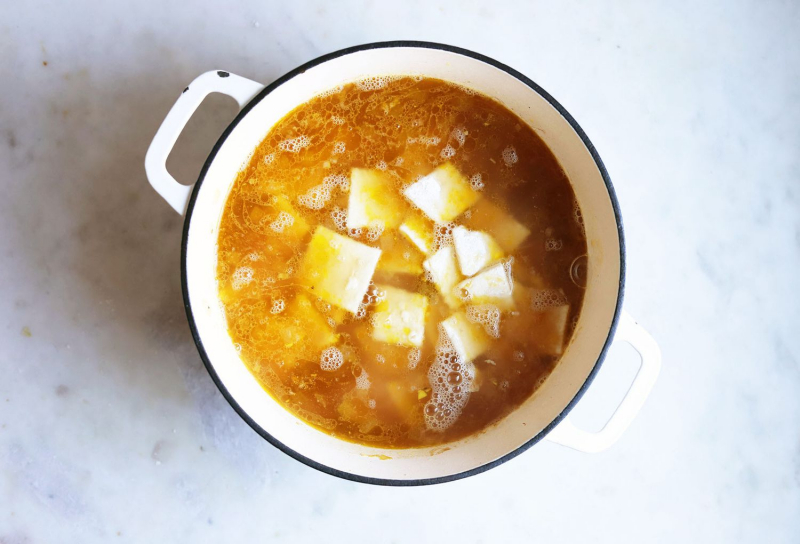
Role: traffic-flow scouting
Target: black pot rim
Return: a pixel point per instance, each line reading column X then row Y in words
column 198, row 341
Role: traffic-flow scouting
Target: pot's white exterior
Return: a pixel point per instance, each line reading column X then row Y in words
column 598, row 319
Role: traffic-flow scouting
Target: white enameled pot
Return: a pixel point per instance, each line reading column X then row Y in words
column 601, row 321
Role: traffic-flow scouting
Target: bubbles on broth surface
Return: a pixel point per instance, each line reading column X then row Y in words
column 414, row 355
column 578, row 214
column 443, row 235
column 361, row 313
column 374, row 231
column 362, row 380
column 242, row 277
column 375, row 82
column 486, row 315
column 451, row 381
column 315, row 198
column 336, row 181
column 476, row 182
column 295, row 145
column 339, row 217
column 465, row 90
column 459, row 135
column 542, row 299
column 508, row 267
column 278, row 306
column 332, row 91
column 551, row 244
column 573, row 323
column 283, row 220
column 331, row 359
column 510, row 157
column 373, row 295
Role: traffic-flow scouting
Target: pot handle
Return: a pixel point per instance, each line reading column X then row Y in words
column 567, row 434
column 155, row 163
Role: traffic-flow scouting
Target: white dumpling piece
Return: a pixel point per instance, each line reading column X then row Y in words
column 474, row 250
column 442, row 195
column 492, row 286
column 443, row 270
column 468, row 339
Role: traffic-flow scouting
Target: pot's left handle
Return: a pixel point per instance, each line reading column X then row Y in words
column 155, row 163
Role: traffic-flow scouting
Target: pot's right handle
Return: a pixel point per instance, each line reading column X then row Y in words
column 567, row 434
column 155, row 163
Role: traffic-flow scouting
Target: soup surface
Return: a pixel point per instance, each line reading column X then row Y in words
column 402, row 262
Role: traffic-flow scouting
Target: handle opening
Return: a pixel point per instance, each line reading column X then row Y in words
column 568, row 434
column 155, row 163
column 609, row 386
column 202, row 131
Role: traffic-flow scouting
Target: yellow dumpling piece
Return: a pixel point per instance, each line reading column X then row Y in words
column 492, row 286
column 444, row 273
column 419, row 232
column 395, row 263
column 474, row 250
column 338, row 269
column 302, row 332
column 314, row 328
column 373, row 200
column 442, row 195
column 399, row 256
column 550, row 328
column 507, row 231
column 468, row 338
column 400, row 317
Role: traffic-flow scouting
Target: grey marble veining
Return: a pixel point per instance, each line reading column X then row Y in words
column 110, row 427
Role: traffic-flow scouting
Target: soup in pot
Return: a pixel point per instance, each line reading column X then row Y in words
column 402, row 262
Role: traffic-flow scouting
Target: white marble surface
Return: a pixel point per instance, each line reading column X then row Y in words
column 110, row 428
